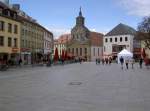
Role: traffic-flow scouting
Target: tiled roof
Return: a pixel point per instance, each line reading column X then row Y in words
column 96, row 39
column 63, row 39
column 121, row 29
column 3, row 5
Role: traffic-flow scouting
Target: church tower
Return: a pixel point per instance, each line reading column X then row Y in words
column 80, row 19
column 79, row 31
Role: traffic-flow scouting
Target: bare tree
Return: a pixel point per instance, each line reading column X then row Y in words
column 144, row 31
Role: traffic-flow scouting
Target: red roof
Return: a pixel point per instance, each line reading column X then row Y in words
column 63, row 39
column 96, row 39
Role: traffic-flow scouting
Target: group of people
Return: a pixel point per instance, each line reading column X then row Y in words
column 104, row 61
column 130, row 61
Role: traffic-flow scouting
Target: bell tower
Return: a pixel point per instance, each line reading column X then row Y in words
column 80, row 19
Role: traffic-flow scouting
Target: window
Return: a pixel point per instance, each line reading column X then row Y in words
column 9, row 27
column 1, row 41
column 106, row 40
column 1, row 10
column 22, row 31
column 15, row 16
column 116, row 39
column 73, row 51
column 9, row 42
column 76, row 51
column 94, row 52
column 126, row 38
column 104, row 48
column 15, row 29
column 2, row 26
column 69, row 50
column 80, row 51
column 22, row 44
column 85, row 51
column 98, row 51
column 15, row 42
column 120, row 39
column 110, row 39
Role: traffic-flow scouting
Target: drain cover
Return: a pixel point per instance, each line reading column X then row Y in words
column 75, row 83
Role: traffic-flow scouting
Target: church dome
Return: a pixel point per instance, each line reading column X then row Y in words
column 80, row 29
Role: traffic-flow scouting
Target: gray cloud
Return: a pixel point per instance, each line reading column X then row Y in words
column 136, row 7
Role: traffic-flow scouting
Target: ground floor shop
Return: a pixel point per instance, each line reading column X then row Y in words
column 11, row 59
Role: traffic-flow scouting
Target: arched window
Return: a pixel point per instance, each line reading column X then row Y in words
column 106, row 40
column 126, row 38
column 120, row 39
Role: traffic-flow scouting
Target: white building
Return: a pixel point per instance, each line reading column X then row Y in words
column 120, row 37
column 61, row 43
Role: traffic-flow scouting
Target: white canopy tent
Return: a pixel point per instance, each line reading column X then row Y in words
column 125, row 54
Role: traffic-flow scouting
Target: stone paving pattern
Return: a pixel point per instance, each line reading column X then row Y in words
column 103, row 88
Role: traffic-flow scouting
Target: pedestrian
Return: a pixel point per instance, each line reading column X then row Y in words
column 110, row 60
column 106, row 60
column 132, row 61
column 99, row 61
column 103, row 61
column 80, row 60
column 140, row 63
column 20, row 61
column 127, row 63
column 96, row 61
column 121, row 61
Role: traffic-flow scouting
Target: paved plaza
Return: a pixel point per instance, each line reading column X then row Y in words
column 75, row 87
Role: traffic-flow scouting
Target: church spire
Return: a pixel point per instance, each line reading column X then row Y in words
column 80, row 13
column 80, row 19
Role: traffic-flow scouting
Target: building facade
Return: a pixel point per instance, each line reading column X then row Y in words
column 119, row 38
column 9, row 35
column 143, row 47
column 32, row 41
column 84, row 43
column 36, row 41
column 61, row 43
column 48, row 44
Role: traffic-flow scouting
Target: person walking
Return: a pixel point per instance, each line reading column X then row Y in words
column 96, row 61
column 121, row 61
column 140, row 63
column 132, row 62
column 103, row 61
column 20, row 61
column 127, row 63
column 110, row 60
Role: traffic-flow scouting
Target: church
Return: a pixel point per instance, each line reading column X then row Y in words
column 84, row 43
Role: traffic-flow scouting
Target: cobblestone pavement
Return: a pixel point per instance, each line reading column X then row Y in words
column 75, row 87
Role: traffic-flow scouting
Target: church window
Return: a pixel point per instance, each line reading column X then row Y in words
column 80, row 51
column 73, row 51
column 120, row 39
column 126, row 38
column 77, row 51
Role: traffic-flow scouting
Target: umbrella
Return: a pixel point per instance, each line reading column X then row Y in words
column 143, row 54
column 63, row 55
column 56, row 57
column 66, row 55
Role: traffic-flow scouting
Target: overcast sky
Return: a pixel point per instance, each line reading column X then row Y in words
column 100, row 15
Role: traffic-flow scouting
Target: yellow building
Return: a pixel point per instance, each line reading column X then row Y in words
column 9, row 35
column 32, row 41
